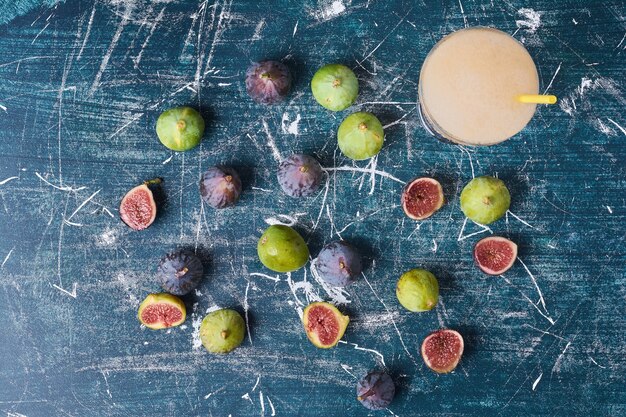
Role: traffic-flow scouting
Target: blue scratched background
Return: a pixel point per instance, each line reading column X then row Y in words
column 81, row 85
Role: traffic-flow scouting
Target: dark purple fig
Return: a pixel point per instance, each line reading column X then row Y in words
column 179, row 272
column 300, row 175
column 376, row 390
column 220, row 187
column 442, row 350
column 494, row 255
column 338, row 264
column 138, row 209
column 268, row 82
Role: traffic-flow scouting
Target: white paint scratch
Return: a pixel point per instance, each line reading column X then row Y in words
column 17, row 61
column 137, row 59
column 246, row 396
column 544, row 315
column 7, row 180
column 519, row 219
column 132, row 120
column 483, row 230
column 553, row 77
column 282, row 219
column 63, row 188
column 273, row 413
column 596, row 363
column 257, row 31
column 469, row 155
column 82, row 205
column 71, row 294
column 532, row 277
column 392, row 320
column 196, row 321
column 375, row 352
column 370, row 53
column 262, row 402
column 537, row 381
column 256, row 384
column 347, row 369
column 168, row 159
column 258, row 274
column 89, row 24
column 372, row 169
column 329, row 10
column 210, row 394
column 617, row 125
column 246, row 307
column 112, row 45
column 463, row 13
column 559, row 359
column 40, row 32
column 6, row 258
column 271, row 143
column 367, row 171
column 531, row 19
column 289, row 126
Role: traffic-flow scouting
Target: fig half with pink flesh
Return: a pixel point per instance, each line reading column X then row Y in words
column 442, row 350
column 160, row 311
column 138, row 209
column 422, row 197
column 495, row 255
column 324, row 324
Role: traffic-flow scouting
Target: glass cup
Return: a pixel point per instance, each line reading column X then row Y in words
column 478, row 86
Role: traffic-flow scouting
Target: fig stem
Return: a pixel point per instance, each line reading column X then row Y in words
column 362, row 126
column 182, row 272
column 228, row 178
column 266, row 76
column 304, row 168
column 487, row 201
column 181, row 125
column 336, row 82
column 224, row 334
column 154, row 181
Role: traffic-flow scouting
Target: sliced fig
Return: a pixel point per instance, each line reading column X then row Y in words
column 422, row 197
column 442, row 350
column 495, row 255
column 324, row 324
column 138, row 209
column 160, row 311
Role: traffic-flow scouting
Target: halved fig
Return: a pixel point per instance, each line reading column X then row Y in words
column 160, row 311
column 324, row 324
column 138, row 209
column 494, row 255
column 422, row 197
column 442, row 350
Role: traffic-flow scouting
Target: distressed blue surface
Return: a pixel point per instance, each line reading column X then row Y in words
column 81, row 86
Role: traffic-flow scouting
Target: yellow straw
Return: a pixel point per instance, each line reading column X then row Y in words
column 536, row 99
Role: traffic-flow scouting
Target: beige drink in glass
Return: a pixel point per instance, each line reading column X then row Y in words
column 478, row 86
